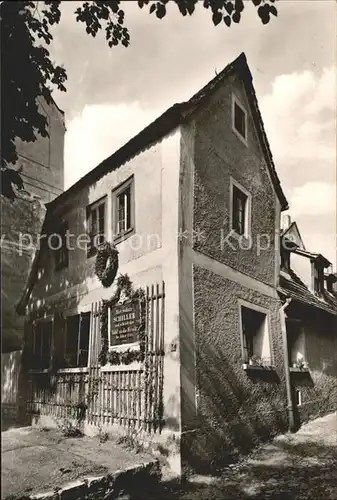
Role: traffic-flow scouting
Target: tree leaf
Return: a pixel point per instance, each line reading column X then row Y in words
column 263, row 13
column 273, row 10
column 227, row 20
column 161, row 10
column 217, row 18
column 236, row 17
column 229, row 7
column 152, row 8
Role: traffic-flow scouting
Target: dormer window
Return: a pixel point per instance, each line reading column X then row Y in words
column 318, row 278
column 285, row 260
column 239, row 119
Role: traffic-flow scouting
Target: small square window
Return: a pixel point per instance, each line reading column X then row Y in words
column 123, row 203
column 239, row 120
column 239, row 211
column 96, row 225
column 256, row 343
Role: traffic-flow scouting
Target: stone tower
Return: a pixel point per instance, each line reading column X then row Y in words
column 42, row 164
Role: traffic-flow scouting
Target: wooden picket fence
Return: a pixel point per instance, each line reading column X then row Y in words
column 112, row 394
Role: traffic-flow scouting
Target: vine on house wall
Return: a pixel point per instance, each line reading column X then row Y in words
column 130, row 355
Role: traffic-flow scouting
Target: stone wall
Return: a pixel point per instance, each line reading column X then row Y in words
column 21, row 223
column 235, row 409
column 42, row 161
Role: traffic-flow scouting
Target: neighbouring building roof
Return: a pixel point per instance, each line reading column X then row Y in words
column 313, row 256
column 172, row 118
column 293, row 234
column 292, row 286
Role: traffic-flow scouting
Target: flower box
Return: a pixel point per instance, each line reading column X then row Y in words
column 248, row 367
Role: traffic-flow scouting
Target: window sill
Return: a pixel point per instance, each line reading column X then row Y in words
column 237, row 236
column 39, row 371
column 135, row 366
column 247, row 367
column 123, row 236
column 134, row 346
column 295, row 369
column 240, row 136
column 78, row 369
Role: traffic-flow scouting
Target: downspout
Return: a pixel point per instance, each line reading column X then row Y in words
column 290, row 405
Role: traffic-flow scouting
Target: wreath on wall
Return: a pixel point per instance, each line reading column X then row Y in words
column 130, row 355
column 106, row 265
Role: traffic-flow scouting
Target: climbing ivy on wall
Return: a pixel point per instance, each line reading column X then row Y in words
column 130, row 355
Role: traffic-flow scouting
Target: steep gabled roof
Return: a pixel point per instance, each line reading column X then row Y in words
column 294, row 288
column 295, row 236
column 172, row 118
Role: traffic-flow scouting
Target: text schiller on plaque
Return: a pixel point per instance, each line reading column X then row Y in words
column 125, row 322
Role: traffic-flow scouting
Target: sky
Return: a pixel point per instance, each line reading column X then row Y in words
column 112, row 93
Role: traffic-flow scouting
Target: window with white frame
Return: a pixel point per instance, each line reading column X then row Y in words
column 298, row 397
column 240, row 209
column 239, row 119
column 42, row 344
column 77, row 340
column 123, row 208
column 255, row 336
column 96, row 214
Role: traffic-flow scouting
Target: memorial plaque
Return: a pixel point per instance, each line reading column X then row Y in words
column 124, row 323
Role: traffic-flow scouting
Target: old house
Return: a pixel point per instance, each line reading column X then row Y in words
column 187, row 342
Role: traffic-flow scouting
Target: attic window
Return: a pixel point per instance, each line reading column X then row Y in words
column 285, row 260
column 318, row 279
column 239, row 120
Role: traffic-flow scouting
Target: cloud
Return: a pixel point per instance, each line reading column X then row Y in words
column 313, row 198
column 299, row 115
column 99, row 131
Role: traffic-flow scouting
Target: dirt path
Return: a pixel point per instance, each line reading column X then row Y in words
column 301, row 466
column 36, row 461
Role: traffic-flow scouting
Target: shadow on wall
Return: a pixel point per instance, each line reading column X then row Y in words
column 234, row 414
column 69, row 283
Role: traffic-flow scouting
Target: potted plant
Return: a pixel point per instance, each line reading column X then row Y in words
column 255, row 360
